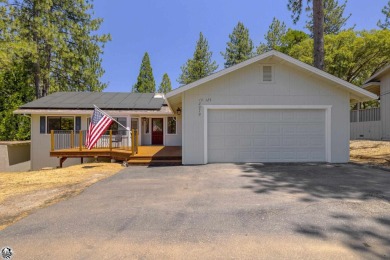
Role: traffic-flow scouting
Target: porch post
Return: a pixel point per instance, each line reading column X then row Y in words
column 80, row 140
column 110, row 143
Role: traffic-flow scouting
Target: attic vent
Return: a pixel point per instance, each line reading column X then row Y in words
column 267, row 74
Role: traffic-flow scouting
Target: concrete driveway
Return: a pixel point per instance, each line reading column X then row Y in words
column 216, row 211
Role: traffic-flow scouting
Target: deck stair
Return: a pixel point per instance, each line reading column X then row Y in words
column 157, row 155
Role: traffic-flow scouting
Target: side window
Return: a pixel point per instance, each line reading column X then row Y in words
column 146, row 125
column 59, row 123
column 171, row 125
column 42, row 125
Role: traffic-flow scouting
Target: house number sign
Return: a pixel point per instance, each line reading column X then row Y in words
column 201, row 100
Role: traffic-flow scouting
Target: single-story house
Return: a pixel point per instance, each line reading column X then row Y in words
column 271, row 108
column 71, row 111
column 374, row 123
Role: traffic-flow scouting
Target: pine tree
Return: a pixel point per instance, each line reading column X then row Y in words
column 67, row 51
column 334, row 19
column 273, row 37
column 165, row 85
column 386, row 12
column 145, row 81
column 200, row 65
column 318, row 27
column 240, row 46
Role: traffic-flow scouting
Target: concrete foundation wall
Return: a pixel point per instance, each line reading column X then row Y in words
column 15, row 156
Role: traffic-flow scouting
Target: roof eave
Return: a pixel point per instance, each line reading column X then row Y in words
column 351, row 88
column 378, row 74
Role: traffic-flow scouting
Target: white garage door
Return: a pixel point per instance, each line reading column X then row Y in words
column 260, row 135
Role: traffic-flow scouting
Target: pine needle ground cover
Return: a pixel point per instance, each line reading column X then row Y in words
column 23, row 192
column 370, row 152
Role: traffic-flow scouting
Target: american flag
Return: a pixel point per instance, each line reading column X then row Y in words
column 99, row 124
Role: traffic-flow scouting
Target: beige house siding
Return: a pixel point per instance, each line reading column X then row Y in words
column 385, row 106
column 371, row 130
column 40, row 145
column 291, row 86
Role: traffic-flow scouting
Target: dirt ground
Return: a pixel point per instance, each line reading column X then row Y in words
column 23, row 192
column 370, row 152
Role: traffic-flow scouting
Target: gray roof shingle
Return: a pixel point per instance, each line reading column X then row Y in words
column 104, row 100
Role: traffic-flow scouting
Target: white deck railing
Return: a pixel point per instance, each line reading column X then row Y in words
column 365, row 115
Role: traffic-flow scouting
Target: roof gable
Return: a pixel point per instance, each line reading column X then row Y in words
column 359, row 93
column 377, row 75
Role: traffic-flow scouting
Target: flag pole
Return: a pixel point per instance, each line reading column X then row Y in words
column 127, row 128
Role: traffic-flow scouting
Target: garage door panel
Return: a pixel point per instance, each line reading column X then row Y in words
column 215, row 129
column 266, row 135
column 259, row 141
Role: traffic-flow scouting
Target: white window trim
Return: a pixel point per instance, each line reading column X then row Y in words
column 175, row 118
column 273, row 74
column 327, row 109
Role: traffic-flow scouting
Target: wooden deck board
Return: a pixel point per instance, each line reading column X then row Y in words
column 143, row 152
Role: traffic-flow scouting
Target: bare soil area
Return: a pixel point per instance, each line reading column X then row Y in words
column 23, row 192
column 370, row 152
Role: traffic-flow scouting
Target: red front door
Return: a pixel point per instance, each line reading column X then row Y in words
column 157, row 131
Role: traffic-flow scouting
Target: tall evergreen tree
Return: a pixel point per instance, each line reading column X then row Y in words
column 334, row 19
column 67, row 48
column 318, row 27
column 386, row 23
column 15, row 90
column 200, row 65
column 165, row 85
column 240, row 46
column 145, row 81
column 273, row 37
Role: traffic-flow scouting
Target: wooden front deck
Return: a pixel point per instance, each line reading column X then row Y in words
column 145, row 155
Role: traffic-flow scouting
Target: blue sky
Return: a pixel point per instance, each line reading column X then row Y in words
column 168, row 31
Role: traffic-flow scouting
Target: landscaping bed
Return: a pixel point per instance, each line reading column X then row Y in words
column 23, row 192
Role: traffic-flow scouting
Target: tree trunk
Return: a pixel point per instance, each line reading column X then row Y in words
column 46, row 78
column 36, row 64
column 318, row 34
column 37, row 79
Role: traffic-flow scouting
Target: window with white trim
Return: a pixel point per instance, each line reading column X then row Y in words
column 171, row 125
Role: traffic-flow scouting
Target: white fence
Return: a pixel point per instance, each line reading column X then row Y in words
column 365, row 115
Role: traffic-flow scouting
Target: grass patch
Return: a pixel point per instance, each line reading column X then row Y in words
column 22, row 192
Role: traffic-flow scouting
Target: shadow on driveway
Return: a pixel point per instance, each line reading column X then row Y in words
column 354, row 199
